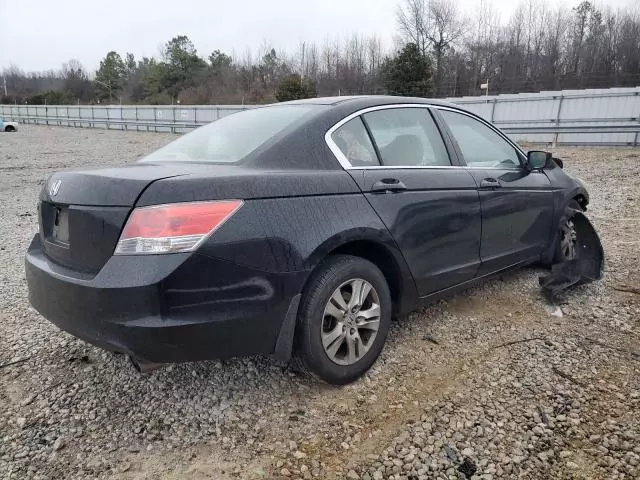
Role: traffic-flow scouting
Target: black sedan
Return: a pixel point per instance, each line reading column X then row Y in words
column 297, row 229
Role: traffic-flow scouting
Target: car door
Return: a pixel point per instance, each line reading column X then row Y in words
column 431, row 207
column 517, row 204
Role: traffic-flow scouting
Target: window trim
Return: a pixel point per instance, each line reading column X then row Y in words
column 453, row 158
column 363, row 122
column 344, row 161
column 519, row 152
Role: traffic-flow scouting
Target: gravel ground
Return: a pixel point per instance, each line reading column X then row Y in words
column 449, row 398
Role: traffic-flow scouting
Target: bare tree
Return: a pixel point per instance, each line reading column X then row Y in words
column 540, row 46
column 443, row 29
column 411, row 17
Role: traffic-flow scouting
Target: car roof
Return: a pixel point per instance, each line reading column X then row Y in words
column 364, row 101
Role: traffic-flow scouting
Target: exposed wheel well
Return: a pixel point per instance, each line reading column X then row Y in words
column 379, row 256
column 582, row 201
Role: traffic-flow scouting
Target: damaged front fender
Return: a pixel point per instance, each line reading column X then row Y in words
column 587, row 265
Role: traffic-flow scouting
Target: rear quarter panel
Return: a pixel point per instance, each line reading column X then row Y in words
column 287, row 235
column 293, row 234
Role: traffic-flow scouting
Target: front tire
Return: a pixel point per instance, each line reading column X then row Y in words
column 343, row 319
column 10, row 128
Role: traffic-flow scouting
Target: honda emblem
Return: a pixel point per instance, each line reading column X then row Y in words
column 54, row 187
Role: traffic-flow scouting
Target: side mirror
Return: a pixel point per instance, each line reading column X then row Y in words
column 537, row 159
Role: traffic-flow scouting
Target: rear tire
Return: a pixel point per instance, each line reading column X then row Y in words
column 565, row 248
column 10, row 128
column 339, row 335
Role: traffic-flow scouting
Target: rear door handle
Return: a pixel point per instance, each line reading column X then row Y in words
column 388, row 185
column 490, row 183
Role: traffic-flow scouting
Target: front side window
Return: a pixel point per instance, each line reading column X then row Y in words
column 233, row 137
column 407, row 137
column 481, row 146
column 353, row 141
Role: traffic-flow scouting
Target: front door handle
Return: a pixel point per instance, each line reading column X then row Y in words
column 490, row 183
column 388, row 185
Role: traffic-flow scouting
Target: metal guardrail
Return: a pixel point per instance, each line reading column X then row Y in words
column 590, row 117
column 519, row 97
column 571, row 117
column 160, row 118
column 80, row 122
column 541, row 126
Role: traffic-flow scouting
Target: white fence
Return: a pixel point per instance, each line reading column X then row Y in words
column 570, row 117
column 162, row 118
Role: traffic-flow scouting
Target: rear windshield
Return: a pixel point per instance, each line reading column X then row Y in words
column 233, row 137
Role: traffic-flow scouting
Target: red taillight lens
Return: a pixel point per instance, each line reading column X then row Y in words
column 177, row 227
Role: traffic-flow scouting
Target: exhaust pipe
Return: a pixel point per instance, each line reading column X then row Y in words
column 143, row 367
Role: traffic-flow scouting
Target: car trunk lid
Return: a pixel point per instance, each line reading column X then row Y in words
column 82, row 213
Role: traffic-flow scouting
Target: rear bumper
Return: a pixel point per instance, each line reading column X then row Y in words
column 164, row 308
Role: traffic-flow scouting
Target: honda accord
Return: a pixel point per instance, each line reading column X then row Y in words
column 297, row 230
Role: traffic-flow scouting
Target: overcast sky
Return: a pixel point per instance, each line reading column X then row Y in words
column 42, row 34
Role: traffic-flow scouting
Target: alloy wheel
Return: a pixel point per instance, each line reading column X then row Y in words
column 351, row 320
column 568, row 240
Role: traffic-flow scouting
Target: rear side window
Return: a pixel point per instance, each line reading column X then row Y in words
column 481, row 146
column 233, row 137
column 407, row 137
column 353, row 141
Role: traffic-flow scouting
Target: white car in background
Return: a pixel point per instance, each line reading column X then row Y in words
column 8, row 126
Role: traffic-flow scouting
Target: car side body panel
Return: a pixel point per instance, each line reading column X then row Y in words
column 517, row 216
column 290, row 235
column 436, row 223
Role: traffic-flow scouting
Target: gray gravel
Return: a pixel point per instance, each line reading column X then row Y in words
column 564, row 404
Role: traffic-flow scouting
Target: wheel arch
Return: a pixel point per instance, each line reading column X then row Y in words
column 381, row 250
column 578, row 195
column 380, row 257
column 375, row 245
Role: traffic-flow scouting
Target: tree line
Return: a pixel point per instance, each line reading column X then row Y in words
column 438, row 52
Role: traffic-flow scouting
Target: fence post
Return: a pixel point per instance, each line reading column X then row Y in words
column 107, row 125
column 137, row 126
column 93, row 118
column 493, row 108
column 635, row 140
column 68, row 121
column 554, row 144
column 123, row 124
column 195, row 117
column 173, row 125
column 155, row 119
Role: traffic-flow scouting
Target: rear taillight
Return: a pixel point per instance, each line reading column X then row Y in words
column 172, row 228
